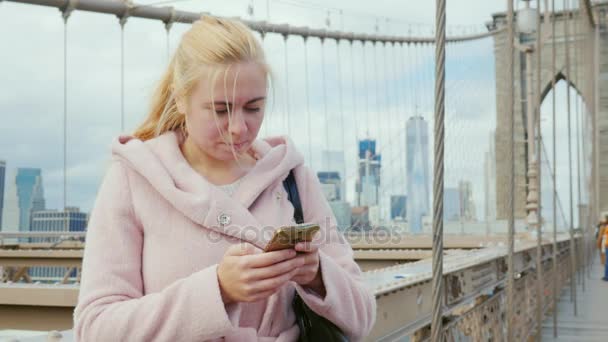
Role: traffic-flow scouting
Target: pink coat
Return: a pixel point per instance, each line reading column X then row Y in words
column 158, row 231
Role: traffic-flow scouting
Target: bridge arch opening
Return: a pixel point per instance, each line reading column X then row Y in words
column 580, row 134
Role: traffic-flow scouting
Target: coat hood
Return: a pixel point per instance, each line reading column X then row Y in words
column 161, row 162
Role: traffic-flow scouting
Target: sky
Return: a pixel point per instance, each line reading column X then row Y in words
column 352, row 91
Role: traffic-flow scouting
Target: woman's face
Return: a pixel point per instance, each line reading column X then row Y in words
column 235, row 104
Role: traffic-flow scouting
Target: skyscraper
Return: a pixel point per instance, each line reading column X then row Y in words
column 30, row 195
column 2, row 175
column 398, row 207
column 451, row 204
column 10, row 210
column 467, row 205
column 490, row 180
column 418, row 181
column 331, row 184
column 368, row 180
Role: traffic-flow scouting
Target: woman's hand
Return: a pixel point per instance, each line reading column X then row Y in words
column 245, row 274
column 309, row 274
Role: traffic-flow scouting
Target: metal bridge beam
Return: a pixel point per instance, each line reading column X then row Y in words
column 170, row 15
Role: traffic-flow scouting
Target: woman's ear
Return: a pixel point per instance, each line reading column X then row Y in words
column 180, row 102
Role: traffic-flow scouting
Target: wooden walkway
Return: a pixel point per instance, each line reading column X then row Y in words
column 591, row 323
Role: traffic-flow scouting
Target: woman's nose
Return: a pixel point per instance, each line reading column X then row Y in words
column 237, row 123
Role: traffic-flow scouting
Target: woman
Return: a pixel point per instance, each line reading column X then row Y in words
column 174, row 242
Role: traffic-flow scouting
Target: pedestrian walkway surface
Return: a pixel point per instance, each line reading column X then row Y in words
column 591, row 323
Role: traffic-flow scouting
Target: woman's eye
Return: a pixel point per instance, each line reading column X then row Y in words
column 221, row 111
column 252, row 110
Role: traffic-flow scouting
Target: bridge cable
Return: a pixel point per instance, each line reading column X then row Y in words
column 554, row 130
column 399, row 57
column 539, row 224
column 573, row 267
column 400, row 99
column 168, row 25
column 354, row 94
column 341, row 108
column 511, row 178
column 327, row 123
column 307, row 96
column 582, row 248
column 365, row 80
column 287, row 92
column 438, row 169
column 66, row 12
column 393, row 103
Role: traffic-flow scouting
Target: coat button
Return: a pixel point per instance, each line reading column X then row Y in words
column 223, row 219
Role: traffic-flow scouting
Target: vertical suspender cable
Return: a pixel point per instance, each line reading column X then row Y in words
column 122, row 73
column 341, row 104
column 325, row 104
column 367, row 92
column 401, row 146
column 572, row 243
column 388, row 94
column 582, row 248
column 168, row 25
column 437, row 286
column 511, row 200
column 539, row 164
column 265, row 122
column 596, row 116
column 377, row 87
column 65, row 113
column 306, row 91
column 66, row 15
column 354, row 89
column 553, row 75
column 287, row 100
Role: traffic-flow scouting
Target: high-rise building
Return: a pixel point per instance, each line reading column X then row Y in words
column 398, row 207
column 368, row 180
column 360, row 218
column 467, row 205
column 490, row 180
column 451, row 204
column 418, row 181
column 342, row 212
column 69, row 220
column 333, row 161
column 332, row 187
column 331, row 183
column 2, row 175
column 30, row 194
column 10, row 210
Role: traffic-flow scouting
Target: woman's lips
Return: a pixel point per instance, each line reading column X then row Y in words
column 238, row 146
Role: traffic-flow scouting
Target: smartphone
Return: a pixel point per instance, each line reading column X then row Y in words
column 289, row 236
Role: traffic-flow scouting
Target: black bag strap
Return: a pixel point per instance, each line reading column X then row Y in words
column 294, row 197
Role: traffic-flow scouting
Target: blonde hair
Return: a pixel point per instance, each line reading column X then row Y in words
column 211, row 42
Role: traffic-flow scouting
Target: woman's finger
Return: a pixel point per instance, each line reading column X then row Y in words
column 307, row 247
column 273, row 283
column 276, row 269
column 269, row 258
